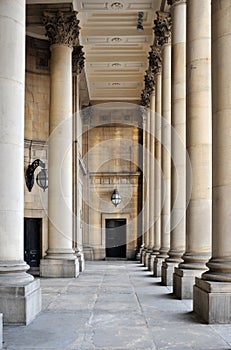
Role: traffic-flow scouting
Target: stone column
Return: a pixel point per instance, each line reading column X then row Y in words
column 152, row 179
column 212, row 292
column 157, row 184
column 145, row 100
column 163, row 37
column 178, row 141
column 77, row 66
column 147, row 161
column 144, row 242
column 60, row 261
column 198, row 139
column 20, row 294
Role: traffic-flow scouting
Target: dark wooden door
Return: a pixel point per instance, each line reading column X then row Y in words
column 116, row 238
column 32, row 242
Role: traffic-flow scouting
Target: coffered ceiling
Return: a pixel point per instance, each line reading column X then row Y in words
column 116, row 52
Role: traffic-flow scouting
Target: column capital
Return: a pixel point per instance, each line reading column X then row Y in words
column 77, row 59
column 62, row 29
column 148, row 89
column 162, row 28
column 155, row 59
column 176, row 2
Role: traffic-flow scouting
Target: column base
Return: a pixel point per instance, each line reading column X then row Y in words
column 1, row 331
column 147, row 257
column 151, row 262
column 80, row 257
column 20, row 304
column 212, row 300
column 157, row 266
column 59, row 268
column 143, row 254
column 183, row 282
column 167, row 271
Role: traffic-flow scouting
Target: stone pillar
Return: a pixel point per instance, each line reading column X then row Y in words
column 152, row 180
column 145, row 100
column 163, row 37
column 60, row 260
column 157, row 185
column 178, row 142
column 144, row 243
column 147, row 202
column 77, row 66
column 20, row 294
column 198, row 139
column 212, row 292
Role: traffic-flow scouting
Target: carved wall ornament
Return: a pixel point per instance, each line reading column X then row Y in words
column 77, row 59
column 145, row 98
column 155, row 60
column 62, row 28
column 162, row 28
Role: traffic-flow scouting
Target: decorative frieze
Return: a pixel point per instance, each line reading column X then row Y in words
column 155, row 59
column 62, row 29
column 77, row 59
column 162, row 28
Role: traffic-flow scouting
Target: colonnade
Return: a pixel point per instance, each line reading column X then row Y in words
column 192, row 210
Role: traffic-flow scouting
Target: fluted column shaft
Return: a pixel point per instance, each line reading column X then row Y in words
column 212, row 293
column 178, row 141
column 13, row 277
column 198, row 139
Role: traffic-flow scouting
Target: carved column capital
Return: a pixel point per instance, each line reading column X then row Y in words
column 162, row 28
column 149, row 81
column 77, row 59
column 155, row 59
column 62, row 29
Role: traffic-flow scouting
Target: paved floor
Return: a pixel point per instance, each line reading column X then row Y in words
column 115, row 305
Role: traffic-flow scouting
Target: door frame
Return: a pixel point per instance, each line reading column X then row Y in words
column 105, row 216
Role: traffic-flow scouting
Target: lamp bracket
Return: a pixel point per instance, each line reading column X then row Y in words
column 30, row 173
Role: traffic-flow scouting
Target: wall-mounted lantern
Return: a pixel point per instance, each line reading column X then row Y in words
column 116, row 198
column 30, row 175
column 42, row 179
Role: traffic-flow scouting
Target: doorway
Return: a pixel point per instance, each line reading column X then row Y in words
column 115, row 238
column 32, row 243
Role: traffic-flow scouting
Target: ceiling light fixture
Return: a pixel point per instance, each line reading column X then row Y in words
column 140, row 21
column 117, row 6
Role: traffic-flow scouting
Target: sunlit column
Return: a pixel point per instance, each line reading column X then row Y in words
column 198, row 140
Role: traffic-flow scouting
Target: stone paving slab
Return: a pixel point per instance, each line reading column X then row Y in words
column 114, row 305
